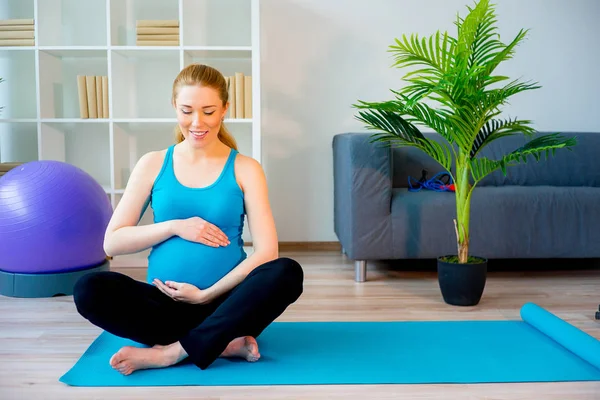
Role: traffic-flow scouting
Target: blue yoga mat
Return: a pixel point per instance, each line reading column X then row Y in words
column 539, row 348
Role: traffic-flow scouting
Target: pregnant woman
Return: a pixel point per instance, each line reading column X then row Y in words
column 204, row 297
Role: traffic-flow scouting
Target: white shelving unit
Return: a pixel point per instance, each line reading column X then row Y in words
column 40, row 118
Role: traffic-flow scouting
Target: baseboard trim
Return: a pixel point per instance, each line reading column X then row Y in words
column 306, row 246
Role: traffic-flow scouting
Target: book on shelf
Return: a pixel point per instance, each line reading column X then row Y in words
column 17, row 32
column 93, row 96
column 240, row 95
column 151, row 32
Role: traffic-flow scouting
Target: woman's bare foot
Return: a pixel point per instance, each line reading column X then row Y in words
column 129, row 359
column 244, row 347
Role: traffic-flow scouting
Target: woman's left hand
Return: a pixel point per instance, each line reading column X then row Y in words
column 184, row 292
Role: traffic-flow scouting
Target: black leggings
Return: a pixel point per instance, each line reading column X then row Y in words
column 141, row 312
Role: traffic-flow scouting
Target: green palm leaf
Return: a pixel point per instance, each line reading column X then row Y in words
column 493, row 59
column 433, row 53
column 538, row 148
column 397, row 131
column 494, row 98
column 415, row 114
column 469, row 30
column 486, row 38
column 495, row 129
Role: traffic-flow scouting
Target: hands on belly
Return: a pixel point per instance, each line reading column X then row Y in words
column 184, row 292
column 196, row 229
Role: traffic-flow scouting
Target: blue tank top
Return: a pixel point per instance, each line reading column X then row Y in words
column 221, row 203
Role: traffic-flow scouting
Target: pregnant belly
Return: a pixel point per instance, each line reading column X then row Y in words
column 182, row 261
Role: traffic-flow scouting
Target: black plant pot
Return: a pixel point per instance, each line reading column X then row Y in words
column 462, row 284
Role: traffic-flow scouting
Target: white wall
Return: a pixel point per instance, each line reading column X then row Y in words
column 320, row 56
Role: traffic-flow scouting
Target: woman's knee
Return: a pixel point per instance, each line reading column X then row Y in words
column 291, row 269
column 87, row 290
column 291, row 276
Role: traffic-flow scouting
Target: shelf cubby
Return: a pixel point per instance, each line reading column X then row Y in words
column 18, row 142
column 227, row 61
column 72, row 23
column 17, row 9
column 84, row 145
column 126, row 13
column 143, row 82
column 201, row 28
column 18, row 89
column 58, row 79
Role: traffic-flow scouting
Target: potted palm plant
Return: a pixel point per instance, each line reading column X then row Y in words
column 457, row 75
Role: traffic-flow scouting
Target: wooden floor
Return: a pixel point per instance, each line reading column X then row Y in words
column 40, row 339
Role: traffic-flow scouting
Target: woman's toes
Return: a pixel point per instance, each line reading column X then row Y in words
column 252, row 348
column 122, row 366
column 116, row 359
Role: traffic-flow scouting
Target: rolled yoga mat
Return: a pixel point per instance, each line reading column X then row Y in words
column 539, row 348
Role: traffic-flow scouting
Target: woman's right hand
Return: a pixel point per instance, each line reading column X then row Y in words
column 195, row 229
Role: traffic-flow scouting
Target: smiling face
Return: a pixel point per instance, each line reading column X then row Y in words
column 200, row 111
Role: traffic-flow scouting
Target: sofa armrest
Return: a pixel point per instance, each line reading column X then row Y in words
column 362, row 196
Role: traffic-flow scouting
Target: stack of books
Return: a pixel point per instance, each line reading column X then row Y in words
column 240, row 96
column 153, row 32
column 7, row 166
column 93, row 96
column 17, row 32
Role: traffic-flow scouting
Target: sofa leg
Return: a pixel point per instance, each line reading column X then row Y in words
column 360, row 270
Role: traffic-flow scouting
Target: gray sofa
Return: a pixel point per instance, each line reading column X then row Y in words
column 549, row 209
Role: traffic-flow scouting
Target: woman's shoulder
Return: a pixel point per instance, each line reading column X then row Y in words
column 248, row 170
column 153, row 159
column 247, row 165
column 150, row 163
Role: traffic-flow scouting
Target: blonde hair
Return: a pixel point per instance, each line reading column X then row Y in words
column 204, row 75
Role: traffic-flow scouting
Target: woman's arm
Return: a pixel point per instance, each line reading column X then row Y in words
column 123, row 236
column 261, row 223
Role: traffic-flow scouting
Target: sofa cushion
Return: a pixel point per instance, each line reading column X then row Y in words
column 579, row 166
column 506, row 222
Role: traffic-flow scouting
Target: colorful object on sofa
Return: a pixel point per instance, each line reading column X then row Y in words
column 53, row 216
column 436, row 183
column 539, row 348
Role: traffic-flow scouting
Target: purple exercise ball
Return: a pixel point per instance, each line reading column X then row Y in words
column 53, row 217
